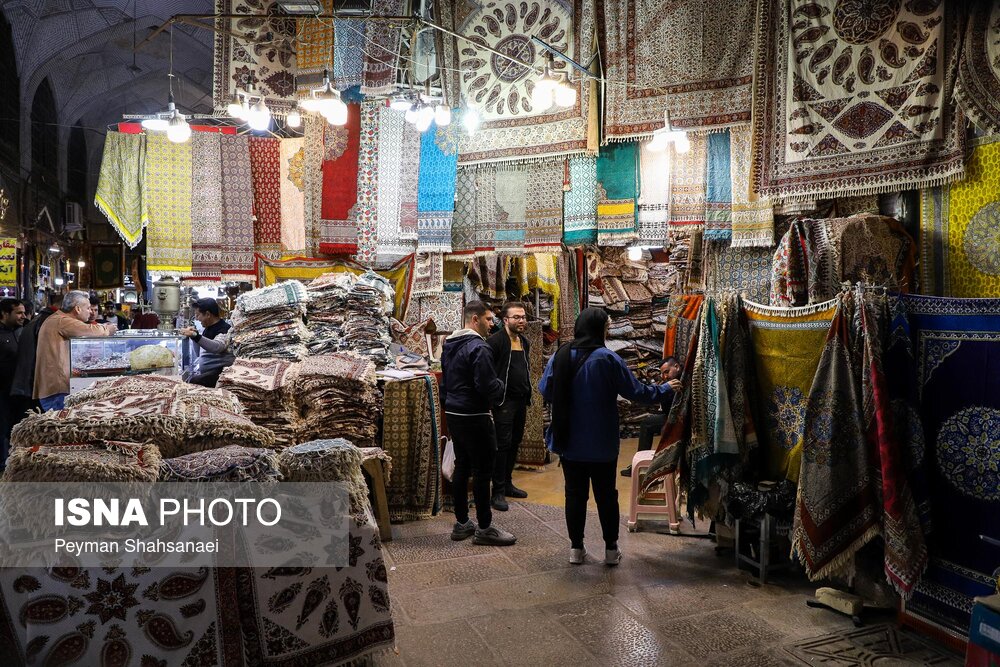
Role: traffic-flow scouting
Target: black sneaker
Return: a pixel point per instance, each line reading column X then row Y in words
column 499, row 503
column 494, row 537
column 627, row 471
column 463, row 531
column 514, row 492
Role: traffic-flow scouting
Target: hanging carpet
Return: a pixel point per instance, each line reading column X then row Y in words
column 381, row 49
column 978, row 87
column 718, row 188
column 168, row 189
column 580, row 204
column 314, row 42
column 338, row 230
column 121, row 185
column 410, row 437
column 292, row 184
column 532, row 453
column 206, row 204
column 237, row 209
column 544, row 210
column 687, row 186
column 392, row 157
column 743, row 270
column 265, row 154
column 367, row 199
column 654, row 197
column 617, row 189
column 463, row 226
column 753, row 216
column 848, row 101
column 436, row 188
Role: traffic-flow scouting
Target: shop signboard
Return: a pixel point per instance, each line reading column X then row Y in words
column 8, row 262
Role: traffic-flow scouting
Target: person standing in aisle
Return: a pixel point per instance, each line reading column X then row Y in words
column 469, row 386
column 11, row 320
column 652, row 425
column 510, row 356
column 23, row 386
column 52, row 357
column 582, row 381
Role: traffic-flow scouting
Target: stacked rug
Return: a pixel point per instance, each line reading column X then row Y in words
column 366, row 327
column 347, row 312
column 231, row 463
column 93, row 461
column 268, row 322
column 266, row 386
column 156, row 385
column 326, row 309
column 337, row 397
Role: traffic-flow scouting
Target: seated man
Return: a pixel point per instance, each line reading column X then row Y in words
column 214, row 355
column 652, row 425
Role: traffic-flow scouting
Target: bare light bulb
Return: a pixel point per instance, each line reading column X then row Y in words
column 155, row 124
column 442, row 115
column 81, row 264
column 682, row 145
column 259, row 117
column 423, row 122
column 336, row 112
column 400, row 104
column 294, row 118
column 659, row 143
column 541, row 95
column 310, row 104
column 565, row 95
column 470, row 120
column 411, row 113
column 235, row 106
column 179, row 130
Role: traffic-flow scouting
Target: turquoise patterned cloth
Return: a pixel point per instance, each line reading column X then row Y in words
column 718, row 189
column 580, row 202
column 436, row 188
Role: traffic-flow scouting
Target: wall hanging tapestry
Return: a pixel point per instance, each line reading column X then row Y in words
column 959, row 248
column 348, row 53
column 445, row 309
column 753, row 216
column 391, row 158
column 673, row 57
column 654, row 195
column 367, row 206
column 463, row 226
column 568, row 305
column 168, row 189
column 314, row 41
column 718, row 188
column 617, row 188
column 580, row 204
column 532, row 453
column 338, row 230
column 957, row 343
column 746, row 271
column 107, row 266
column 687, row 186
column 978, row 86
column 293, row 222
column 787, row 346
column 381, row 49
column 505, row 202
column 849, row 100
column 428, row 273
column 257, row 49
column 544, row 207
column 681, row 315
column 312, row 180
column 120, row 192
column 265, row 155
column 512, row 129
column 409, row 435
column 206, row 204
column 436, row 188
column 237, row 209
column 410, row 181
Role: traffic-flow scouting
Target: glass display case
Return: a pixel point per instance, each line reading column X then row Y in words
column 130, row 352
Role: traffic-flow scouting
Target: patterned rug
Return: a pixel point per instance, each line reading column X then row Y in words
column 444, row 308
column 230, row 463
column 108, row 266
column 168, row 192
column 428, row 273
column 753, row 217
column 392, row 157
column 96, row 461
column 293, row 223
column 259, row 49
column 743, row 270
column 718, row 188
column 959, row 247
column 206, row 203
column 381, row 49
column 463, row 226
column 580, row 203
column 410, row 436
column 436, row 188
column 544, row 209
column 957, row 344
column 120, row 192
column 787, row 344
column 314, row 41
column 312, row 181
column 978, row 87
column 654, row 195
column 687, row 186
column 648, row 47
column 532, row 453
column 682, row 314
column 617, row 189
column 367, row 206
column 237, row 209
column 265, row 155
column 338, row 232
column 348, row 52
column 850, row 101
column 512, row 130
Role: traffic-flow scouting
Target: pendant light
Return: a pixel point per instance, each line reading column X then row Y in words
column 666, row 135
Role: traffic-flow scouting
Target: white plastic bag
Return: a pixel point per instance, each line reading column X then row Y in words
column 448, row 461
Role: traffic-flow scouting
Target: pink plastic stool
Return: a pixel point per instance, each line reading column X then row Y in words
column 640, row 462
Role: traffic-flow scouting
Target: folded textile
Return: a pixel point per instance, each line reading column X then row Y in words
column 337, row 398
column 268, row 322
column 231, row 463
column 266, row 388
column 90, row 461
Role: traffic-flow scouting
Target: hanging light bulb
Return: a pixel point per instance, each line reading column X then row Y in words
column 682, row 145
column 541, row 95
column 259, row 117
column 565, row 94
column 400, row 103
column 294, row 118
column 156, row 124
column 235, row 106
column 336, row 112
column 659, row 143
column 442, row 115
column 411, row 113
column 179, row 130
column 81, row 263
column 425, row 116
column 244, row 113
column 470, row 119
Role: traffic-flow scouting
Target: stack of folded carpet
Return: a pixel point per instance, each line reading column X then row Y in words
column 156, row 385
column 664, row 279
column 268, row 322
column 660, row 312
column 366, row 325
column 327, row 310
column 266, row 389
column 347, row 312
column 337, row 397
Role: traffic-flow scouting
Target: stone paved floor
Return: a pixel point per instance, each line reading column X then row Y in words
column 672, row 601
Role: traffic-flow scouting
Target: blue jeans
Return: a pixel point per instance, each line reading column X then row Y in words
column 53, row 402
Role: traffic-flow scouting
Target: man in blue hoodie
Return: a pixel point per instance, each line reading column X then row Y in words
column 469, row 386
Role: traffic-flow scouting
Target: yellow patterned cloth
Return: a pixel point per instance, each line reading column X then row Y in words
column 960, row 229
column 120, row 186
column 168, row 192
column 542, row 274
column 314, row 42
column 787, row 344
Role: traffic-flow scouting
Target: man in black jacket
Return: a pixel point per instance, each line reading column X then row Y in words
column 11, row 320
column 469, row 386
column 510, row 356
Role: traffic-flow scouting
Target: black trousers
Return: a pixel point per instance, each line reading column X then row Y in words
column 579, row 478
column 650, row 429
column 475, row 442
column 509, row 420
column 209, row 379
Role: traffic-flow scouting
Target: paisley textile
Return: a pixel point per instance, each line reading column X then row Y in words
column 978, row 87
column 265, row 154
column 290, row 171
column 852, row 98
column 960, row 244
column 237, row 209
column 673, row 57
column 410, row 436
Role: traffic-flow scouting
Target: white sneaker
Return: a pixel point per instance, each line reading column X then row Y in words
column 577, row 556
column 612, row 557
